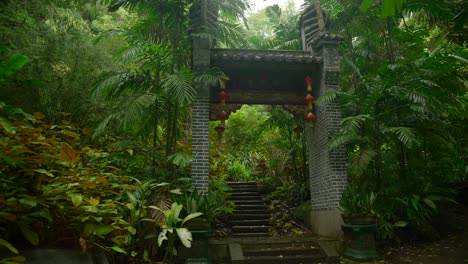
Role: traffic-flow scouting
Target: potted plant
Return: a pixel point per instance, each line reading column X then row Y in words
column 360, row 223
column 358, row 206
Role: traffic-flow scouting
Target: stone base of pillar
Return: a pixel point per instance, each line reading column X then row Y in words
column 327, row 223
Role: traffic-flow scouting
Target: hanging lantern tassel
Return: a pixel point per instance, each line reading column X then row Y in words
column 308, row 81
column 309, row 99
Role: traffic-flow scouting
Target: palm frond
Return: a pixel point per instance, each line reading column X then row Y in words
column 359, row 161
column 212, row 77
column 405, row 135
column 354, row 124
column 230, row 34
column 131, row 112
column 326, row 98
column 178, row 86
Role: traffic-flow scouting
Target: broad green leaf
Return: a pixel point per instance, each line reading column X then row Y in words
column 92, row 209
column 29, row 201
column 7, row 125
column 103, row 229
column 118, row 249
column 174, row 212
column 16, row 62
column 415, row 203
column 132, row 230
column 76, row 198
column 8, row 245
column 365, row 5
column 148, row 220
column 29, row 234
column 162, row 236
column 88, row 229
column 391, row 7
column 388, row 8
column 430, row 203
column 42, row 214
column 191, row 216
column 44, row 172
column 401, row 224
column 185, row 236
column 176, row 191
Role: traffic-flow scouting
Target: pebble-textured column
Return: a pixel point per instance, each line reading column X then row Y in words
column 327, row 168
column 200, row 118
column 200, row 144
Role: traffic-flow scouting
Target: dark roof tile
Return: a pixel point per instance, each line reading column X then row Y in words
column 279, row 56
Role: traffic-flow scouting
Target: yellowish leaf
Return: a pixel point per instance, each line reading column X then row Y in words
column 89, row 184
column 87, row 131
column 71, row 134
column 9, row 217
column 93, row 201
column 68, row 154
column 38, row 115
column 19, row 258
column 103, row 180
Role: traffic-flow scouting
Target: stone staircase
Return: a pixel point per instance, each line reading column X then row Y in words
column 251, row 242
column 250, row 218
column 283, row 250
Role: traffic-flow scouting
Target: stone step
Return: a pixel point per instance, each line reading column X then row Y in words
column 250, row 235
column 244, row 190
column 250, row 222
column 238, row 211
column 305, row 259
column 249, row 211
column 248, row 216
column 249, row 202
column 250, row 207
column 243, row 193
column 282, row 252
column 251, row 229
column 241, row 184
column 245, row 197
column 244, row 186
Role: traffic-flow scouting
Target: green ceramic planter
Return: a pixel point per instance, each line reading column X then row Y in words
column 360, row 241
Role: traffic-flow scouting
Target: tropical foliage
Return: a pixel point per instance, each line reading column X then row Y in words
column 405, row 103
column 95, row 136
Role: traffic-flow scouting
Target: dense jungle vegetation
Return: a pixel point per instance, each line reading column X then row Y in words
column 95, row 139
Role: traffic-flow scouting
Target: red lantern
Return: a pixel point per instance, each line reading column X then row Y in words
column 220, row 129
column 223, row 95
column 223, row 115
column 309, row 98
column 310, row 118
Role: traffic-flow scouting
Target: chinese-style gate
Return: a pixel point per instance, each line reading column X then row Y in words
column 276, row 77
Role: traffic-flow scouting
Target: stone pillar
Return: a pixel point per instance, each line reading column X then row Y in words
column 327, row 169
column 200, row 117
